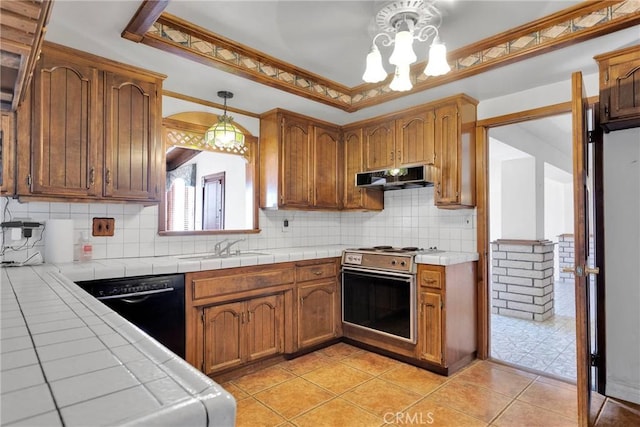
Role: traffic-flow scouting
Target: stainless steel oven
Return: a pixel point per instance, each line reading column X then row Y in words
column 379, row 291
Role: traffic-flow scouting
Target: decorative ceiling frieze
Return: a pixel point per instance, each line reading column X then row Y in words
column 570, row 26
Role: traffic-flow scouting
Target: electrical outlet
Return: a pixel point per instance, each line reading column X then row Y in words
column 103, row 227
column 285, row 226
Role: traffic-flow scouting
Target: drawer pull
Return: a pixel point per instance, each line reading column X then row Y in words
column 430, row 281
column 317, row 272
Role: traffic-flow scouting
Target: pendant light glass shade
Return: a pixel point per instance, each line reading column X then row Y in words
column 224, row 134
column 401, row 79
column 374, row 72
column 403, row 53
column 437, row 64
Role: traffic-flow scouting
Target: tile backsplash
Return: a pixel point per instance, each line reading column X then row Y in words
column 409, row 219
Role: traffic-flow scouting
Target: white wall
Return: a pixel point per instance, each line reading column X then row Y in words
column 622, row 261
column 519, row 199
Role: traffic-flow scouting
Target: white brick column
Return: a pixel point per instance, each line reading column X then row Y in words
column 522, row 278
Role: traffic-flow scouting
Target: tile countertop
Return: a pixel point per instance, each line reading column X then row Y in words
column 127, row 267
column 67, row 359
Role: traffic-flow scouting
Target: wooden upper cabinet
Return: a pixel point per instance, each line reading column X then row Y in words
column 354, row 197
column 300, row 162
column 620, row 88
column 327, row 168
column 455, row 154
column 415, row 139
column 66, row 134
column 296, row 156
column 89, row 130
column 379, row 145
column 130, row 140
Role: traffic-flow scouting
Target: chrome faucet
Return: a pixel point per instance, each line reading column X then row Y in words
column 217, row 248
column 227, row 248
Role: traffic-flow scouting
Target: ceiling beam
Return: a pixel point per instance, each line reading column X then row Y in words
column 148, row 12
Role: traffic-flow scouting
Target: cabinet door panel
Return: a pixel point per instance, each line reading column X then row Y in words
column 223, row 340
column 66, row 132
column 380, row 146
column 431, row 327
column 625, row 89
column 415, row 140
column 295, row 163
column 447, row 132
column 130, row 143
column 317, row 311
column 327, row 176
column 353, row 165
column 7, row 153
column 265, row 324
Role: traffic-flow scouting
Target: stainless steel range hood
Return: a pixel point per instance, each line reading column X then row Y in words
column 395, row 179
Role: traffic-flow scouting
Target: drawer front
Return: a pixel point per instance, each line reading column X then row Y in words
column 317, row 271
column 234, row 283
column 430, row 279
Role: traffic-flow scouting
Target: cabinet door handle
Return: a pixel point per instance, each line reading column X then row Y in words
column 242, row 317
column 92, row 176
column 430, row 305
column 249, row 317
column 108, row 177
column 301, row 300
column 399, row 156
column 606, row 110
column 438, row 188
column 392, row 154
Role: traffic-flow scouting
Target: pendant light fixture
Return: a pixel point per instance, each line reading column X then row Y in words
column 224, row 134
column 400, row 23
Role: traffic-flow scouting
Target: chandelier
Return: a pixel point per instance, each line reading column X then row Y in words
column 224, row 134
column 400, row 23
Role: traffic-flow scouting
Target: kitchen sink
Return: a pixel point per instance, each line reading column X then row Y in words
column 212, row 255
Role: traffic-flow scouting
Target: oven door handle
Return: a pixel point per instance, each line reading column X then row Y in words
column 385, row 275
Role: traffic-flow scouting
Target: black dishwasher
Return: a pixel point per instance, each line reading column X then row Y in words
column 155, row 304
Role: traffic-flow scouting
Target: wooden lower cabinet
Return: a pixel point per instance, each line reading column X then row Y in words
column 447, row 315
column 430, row 321
column 318, row 312
column 239, row 332
column 237, row 316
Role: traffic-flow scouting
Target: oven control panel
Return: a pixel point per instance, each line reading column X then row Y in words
column 353, row 259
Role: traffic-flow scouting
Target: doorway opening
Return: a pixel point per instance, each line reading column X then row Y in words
column 213, row 189
column 532, row 302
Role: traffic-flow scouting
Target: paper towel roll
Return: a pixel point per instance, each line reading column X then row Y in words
column 58, row 241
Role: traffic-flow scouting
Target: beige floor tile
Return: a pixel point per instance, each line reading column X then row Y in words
column 340, row 351
column 618, row 413
column 523, row 414
column 478, row 402
column 293, row 397
column 307, row 363
column 557, row 383
column 258, row 381
column 235, row 391
column 381, row 397
column 502, row 381
column 251, row 413
column 371, row 363
column 558, row 399
column 415, row 379
column 339, row 413
column 337, row 377
column 431, row 413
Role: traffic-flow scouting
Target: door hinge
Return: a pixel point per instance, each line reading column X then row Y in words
column 202, row 316
column 591, row 137
column 29, row 180
column 594, row 359
column 441, row 304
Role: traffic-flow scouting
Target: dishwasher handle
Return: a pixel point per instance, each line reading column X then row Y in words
column 136, row 294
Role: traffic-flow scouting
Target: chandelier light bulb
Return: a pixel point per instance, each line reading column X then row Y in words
column 374, row 72
column 401, row 79
column 437, row 64
column 403, row 53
